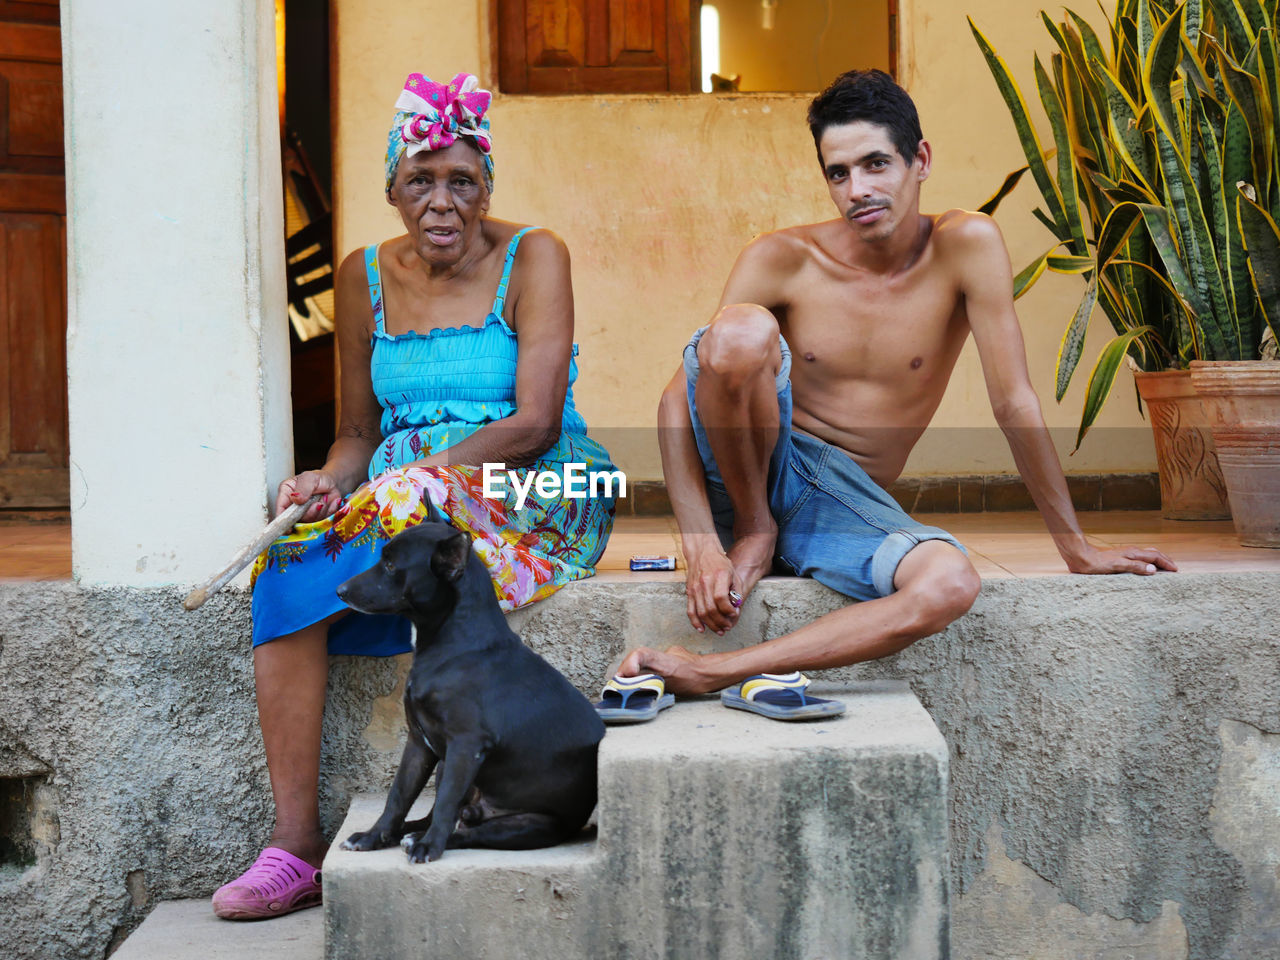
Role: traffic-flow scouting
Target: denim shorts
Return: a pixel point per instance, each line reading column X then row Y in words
column 835, row 524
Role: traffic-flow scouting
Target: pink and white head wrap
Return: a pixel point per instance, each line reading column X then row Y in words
column 432, row 116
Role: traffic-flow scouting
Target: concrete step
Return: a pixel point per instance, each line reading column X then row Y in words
column 188, row 930
column 721, row 835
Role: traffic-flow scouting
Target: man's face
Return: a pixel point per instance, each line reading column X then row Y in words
column 870, row 183
column 441, row 197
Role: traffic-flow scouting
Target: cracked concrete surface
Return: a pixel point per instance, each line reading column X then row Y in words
column 1245, row 819
column 1012, row 913
column 1118, row 733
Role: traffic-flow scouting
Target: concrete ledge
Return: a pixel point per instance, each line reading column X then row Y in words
column 188, row 930
column 721, row 835
column 1115, row 750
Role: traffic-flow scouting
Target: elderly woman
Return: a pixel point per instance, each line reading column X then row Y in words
column 456, row 341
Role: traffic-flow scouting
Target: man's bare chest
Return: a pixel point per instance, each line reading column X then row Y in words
column 874, row 331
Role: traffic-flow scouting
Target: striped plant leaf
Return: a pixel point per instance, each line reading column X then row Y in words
column 1070, row 264
column 1268, row 76
column 1262, row 242
column 1026, row 133
column 1029, row 274
column 1146, row 29
column 1092, row 45
column 1044, row 218
column 1244, row 92
column 1255, row 13
column 1053, row 108
column 1103, row 377
column 1194, row 16
column 1209, row 153
column 1157, row 80
column 1126, row 132
column 1010, row 182
column 1073, row 340
column 1154, row 123
column 1239, row 34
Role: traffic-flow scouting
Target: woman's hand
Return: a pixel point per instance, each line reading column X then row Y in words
column 301, row 488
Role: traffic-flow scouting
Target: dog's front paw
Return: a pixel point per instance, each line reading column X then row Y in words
column 369, row 840
column 409, row 840
column 420, row 851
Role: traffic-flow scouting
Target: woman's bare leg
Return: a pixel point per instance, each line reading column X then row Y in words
column 290, row 675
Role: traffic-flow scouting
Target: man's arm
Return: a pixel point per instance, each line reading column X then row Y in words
column 986, row 283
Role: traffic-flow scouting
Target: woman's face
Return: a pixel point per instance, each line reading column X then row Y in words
column 442, row 199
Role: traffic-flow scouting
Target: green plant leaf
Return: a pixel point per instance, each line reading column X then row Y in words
column 1146, row 30
column 1066, row 168
column 1073, row 340
column 1029, row 274
column 1074, row 264
column 1215, row 194
column 1103, row 377
column 1044, row 218
column 1026, row 133
column 1126, row 132
column 1194, row 16
column 1158, row 74
column 1128, row 60
column 1245, row 93
column 1268, row 69
column 1262, row 243
column 1217, row 322
column 1092, row 46
column 1006, row 188
column 1255, row 13
column 1239, row 36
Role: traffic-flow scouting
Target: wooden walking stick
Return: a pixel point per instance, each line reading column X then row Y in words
column 282, row 524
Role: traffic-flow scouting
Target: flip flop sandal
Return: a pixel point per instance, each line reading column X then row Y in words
column 276, row 884
column 633, row 699
column 779, row 697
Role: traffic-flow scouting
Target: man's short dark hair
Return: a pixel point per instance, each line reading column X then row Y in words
column 870, row 95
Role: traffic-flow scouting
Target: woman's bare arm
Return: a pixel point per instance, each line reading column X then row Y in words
column 358, row 431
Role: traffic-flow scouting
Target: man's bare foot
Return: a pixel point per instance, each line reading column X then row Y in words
column 752, row 558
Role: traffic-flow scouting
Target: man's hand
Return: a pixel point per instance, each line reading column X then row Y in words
column 1140, row 560
column 711, row 576
column 305, row 485
column 686, row 673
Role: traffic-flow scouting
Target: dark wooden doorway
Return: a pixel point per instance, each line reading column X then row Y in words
column 33, row 319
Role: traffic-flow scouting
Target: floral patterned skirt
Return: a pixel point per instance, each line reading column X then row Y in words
column 530, row 551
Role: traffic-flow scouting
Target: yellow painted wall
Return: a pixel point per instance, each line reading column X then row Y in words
column 656, row 195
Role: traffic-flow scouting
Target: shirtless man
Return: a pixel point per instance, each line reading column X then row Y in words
column 801, row 400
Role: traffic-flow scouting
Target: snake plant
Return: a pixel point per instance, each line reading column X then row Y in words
column 1162, row 184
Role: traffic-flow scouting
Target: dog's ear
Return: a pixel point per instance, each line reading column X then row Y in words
column 451, row 556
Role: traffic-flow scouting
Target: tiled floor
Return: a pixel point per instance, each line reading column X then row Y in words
column 1000, row 544
column 1008, row 544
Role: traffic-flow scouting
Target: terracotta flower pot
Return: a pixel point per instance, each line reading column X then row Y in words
column 1191, row 484
column 1242, row 398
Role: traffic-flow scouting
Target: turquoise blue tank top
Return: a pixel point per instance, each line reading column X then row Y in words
column 438, row 388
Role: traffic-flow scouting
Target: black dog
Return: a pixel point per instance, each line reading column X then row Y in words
column 517, row 742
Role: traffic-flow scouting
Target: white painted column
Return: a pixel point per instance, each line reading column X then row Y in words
column 177, row 340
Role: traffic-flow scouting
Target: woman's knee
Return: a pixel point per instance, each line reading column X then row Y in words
column 743, row 338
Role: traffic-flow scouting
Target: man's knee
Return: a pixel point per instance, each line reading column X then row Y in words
column 742, row 340
column 943, row 581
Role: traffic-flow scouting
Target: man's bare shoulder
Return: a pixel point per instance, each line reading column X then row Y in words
column 780, row 250
column 967, row 237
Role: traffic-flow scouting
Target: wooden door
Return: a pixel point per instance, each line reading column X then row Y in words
column 33, row 366
column 597, row 46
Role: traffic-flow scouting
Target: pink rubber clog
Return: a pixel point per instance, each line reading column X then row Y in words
column 276, row 884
